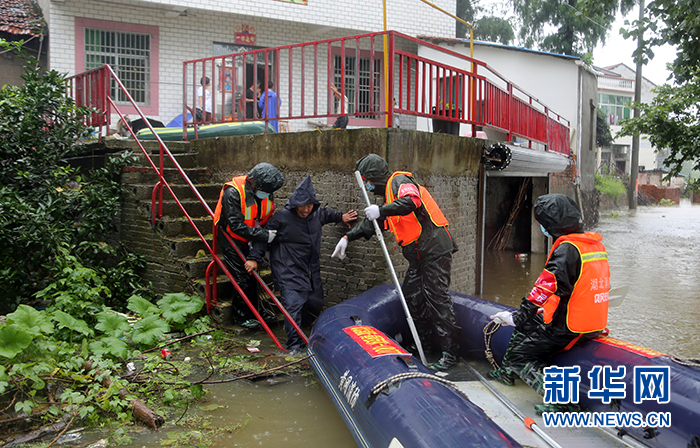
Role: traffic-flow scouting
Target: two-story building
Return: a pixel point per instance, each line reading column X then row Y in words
column 146, row 41
column 615, row 93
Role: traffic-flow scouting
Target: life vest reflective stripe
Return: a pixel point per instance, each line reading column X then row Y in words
column 407, row 228
column 588, row 305
column 251, row 215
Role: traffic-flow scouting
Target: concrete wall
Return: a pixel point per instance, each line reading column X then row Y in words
column 446, row 165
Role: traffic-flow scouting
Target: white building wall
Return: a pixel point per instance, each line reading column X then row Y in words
column 551, row 79
column 276, row 23
column 648, row 158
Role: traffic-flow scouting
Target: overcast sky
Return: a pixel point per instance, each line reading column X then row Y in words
column 618, row 49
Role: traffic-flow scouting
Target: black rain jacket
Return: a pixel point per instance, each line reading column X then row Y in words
column 434, row 241
column 296, row 250
column 559, row 215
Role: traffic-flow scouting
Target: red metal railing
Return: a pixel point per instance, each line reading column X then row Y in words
column 93, row 89
column 461, row 90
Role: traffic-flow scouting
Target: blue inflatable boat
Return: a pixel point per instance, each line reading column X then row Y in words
column 389, row 399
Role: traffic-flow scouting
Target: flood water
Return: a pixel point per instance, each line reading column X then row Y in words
column 654, row 250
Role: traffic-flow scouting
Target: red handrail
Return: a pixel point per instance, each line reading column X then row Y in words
column 467, row 91
column 92, row 88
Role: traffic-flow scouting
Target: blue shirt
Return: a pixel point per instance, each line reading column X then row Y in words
column 270, row 109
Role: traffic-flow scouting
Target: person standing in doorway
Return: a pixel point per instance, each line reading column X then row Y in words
column 571, row 293
column 339, row 99
column 203, row 112
column 269, row 104
column 420, row 229
column 252, row 94
column 245, row 205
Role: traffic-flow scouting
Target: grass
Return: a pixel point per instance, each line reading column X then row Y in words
column 610, row 186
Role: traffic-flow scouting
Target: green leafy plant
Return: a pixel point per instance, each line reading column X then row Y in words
column 50, row 213
column 177, row 307
column 610, row 186
column 43, row 348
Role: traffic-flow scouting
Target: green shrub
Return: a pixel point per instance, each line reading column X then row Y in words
column 610, row 186
column 48, row 210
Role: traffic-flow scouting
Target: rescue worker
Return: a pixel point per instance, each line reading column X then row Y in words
column 245, row 204
column 421, row 230
column 295, row 257
column 568, row 303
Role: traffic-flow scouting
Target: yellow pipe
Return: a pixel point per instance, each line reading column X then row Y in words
column 471, row 44
column 471, row 28
column 386, row 71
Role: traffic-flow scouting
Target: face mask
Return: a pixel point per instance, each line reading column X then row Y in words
column 545, row 231
column 261, row 194
column 369, row 186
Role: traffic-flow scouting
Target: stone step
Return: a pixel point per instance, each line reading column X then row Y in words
column 195, row 209
column 183, row 247
column 185, row 160
column 146, row 175
column 224, row 288
column 196, row 267
column 152, row 147
column 173, row 227
column 210, row 192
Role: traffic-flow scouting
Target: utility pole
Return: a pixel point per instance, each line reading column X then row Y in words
column 634, row 168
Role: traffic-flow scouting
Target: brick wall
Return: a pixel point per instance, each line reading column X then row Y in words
column 656, row 194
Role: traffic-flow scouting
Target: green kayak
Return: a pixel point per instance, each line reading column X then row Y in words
column 207, row 131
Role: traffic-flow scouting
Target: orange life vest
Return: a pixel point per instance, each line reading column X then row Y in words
column 588, row 305
column 251, row 215
column 407, row 228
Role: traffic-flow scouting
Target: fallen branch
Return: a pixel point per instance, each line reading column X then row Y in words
column 253, row 375
column 62, row 431
column 142, row 412
column 37, row 434
column 175, row 341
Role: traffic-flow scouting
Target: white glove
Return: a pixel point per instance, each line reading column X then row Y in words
column 503, row 318
column 340, row 249
column 271, row 234
column 372, row 212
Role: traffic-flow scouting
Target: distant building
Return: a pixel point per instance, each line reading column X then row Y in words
column 21, row 20
column 615, row 92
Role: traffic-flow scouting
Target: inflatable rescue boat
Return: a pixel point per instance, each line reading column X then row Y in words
column 389, row 399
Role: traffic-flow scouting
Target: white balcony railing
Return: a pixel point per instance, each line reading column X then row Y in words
column 615, row 83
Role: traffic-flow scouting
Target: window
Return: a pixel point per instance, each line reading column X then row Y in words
column 615, row 107
column 450, row 87
column 128, row 54
column 369, row 100
column 131, row 50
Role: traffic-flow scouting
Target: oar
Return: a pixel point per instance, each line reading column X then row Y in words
column 617, row 295
column 380, row 237
column 529, row 422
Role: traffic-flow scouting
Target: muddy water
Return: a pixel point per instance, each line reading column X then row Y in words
column 654, row 250
column 278, row 413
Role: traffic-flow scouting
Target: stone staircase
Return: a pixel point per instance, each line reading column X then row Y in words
column 176, row 257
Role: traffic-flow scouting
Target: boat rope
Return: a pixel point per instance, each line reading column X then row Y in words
column 690, row 362
column 376, row 390
column 489, row 330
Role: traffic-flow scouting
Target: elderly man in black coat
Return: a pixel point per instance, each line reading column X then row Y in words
column 295, row 256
